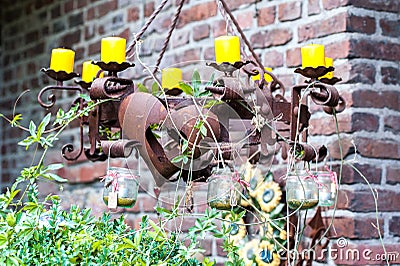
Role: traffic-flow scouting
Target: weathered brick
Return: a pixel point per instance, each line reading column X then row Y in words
column 180, row 38
column 272, row 37
column 235, row 4
column 357, row 228
column 55, row 12
column 350, row 176
column 91, row 13
column 219, row 28
column 71, row 38
column 364, row 122
column 392, row 123
column 377, row 148
column 361, row 72
column 390, row 27
column 331, row 4
column 393, row 174
column 363, row 200
column 81, row 3
column 390, row 75
column 148, row 9
column 326, row 125
column 266, row 16
column 394, row 226
column 293, row 57
column 387, row 5
column 133, row 14
column 75, row 20
column 189, row 55
column 289, row 11
column 323, row 27
column 273, row 59
column 313, row 7
column 201, row 32
column 106, row 7
column 367, row 48
column 245, row 19
column 363, row 24
column 94, row 48
column 69, row 6
column 369, row 98
column 197, row 13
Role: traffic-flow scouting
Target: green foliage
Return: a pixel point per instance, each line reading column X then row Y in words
column 196, row 88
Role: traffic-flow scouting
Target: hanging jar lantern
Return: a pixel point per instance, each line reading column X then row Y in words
column 302, row 190
column 121, row 187
column 224, row 189
column 327, row 188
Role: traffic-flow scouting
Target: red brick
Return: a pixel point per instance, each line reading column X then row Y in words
column 94, row 48
column 133, row 14
column 369, row 98
column 106, row 7
column 331, row 4
column 326, row 125
column 266, row 16
column 394, row 226
column 293, row 57
column 188, row 55
column 363, row 200
column 380, row 148
column 361, row 72
column 273, row 59
column 390, row 75
column 148, row 9
column 219, row 28
column 201, row 32
column 71, row 38
column 180, row 38
column 82, row 3
column 272, row 37
column 90, row 173
column 197, row 13
column 323, row 27
column 245, row 19
column 289, row 11
column 69, row 6
column 91, row 13
column 390, row 27
column 209, row 53
column 388, row 5
column 367, row 48
column 220, row 249
column 313, row 7
column 235, row 4
column 363, row 24
column 364, row 122
column 354, row 228
column 350, row 176
column 347, row 147
column 148, row 202
column 90, row 31
column 393, row 175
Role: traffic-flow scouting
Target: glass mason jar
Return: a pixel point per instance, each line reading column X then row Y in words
column 223, row 190
column 301, row 190
column 327, row 188
column 123, row 181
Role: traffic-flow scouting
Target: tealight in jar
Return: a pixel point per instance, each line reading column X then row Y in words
column 123, row 182
column 327, row 188
column 301, row 190
column 223, row 190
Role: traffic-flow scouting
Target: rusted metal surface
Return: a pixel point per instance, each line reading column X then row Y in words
column 110, row 88
column 118, row 148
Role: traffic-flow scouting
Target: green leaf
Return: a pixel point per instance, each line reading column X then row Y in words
column 11, row 220
column 196, row 81
column 54, row 166
column 43, row 124
column 186, row 88
column 277, row 210
column 15, row 120
column 3, row 240
column 142, row 88
column 54, row 177
column 32, row 129
column 154, row 88
column 203, row 130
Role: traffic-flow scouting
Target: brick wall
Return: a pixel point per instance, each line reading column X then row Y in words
column 361, row 35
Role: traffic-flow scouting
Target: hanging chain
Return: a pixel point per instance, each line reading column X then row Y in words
column 167, row 39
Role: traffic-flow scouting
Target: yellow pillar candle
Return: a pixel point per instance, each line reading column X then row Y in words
column 89, row 71
column 227, row 49
column 62, row 60
column 171, row 77
column 328, row 63
column 113, row 49
column 267, row 77
column 313, row 55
